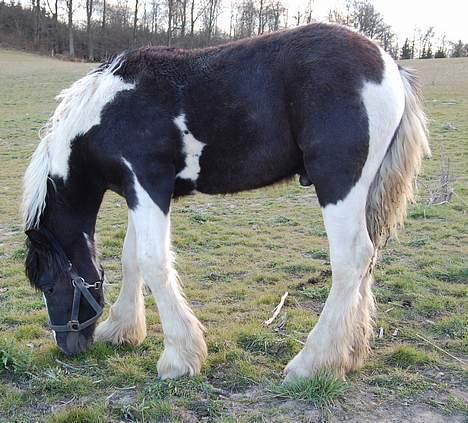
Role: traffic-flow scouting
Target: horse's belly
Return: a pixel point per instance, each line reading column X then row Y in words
column 228, row 171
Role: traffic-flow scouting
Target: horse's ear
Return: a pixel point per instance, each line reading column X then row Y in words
column 37, row 237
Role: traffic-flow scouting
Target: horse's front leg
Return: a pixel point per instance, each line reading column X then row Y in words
column 184, row 343
column 126, row 323
column 339, row 341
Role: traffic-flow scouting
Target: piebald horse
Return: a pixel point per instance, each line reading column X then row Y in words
column 320, row 101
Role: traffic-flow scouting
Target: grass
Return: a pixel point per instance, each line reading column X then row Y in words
column 237, row 255
column 320, row 391
column 407, row 356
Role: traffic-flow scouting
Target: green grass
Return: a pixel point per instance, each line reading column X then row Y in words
column 79, row 414
column 407, row 356
column 236, row 256
column 321, row 391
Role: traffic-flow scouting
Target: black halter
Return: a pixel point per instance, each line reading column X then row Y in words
column 80, row 288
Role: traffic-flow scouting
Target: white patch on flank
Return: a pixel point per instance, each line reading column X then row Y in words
column 192, row 149
column 384, row 104
column 79, row 110
column 184, row 343
column 47, row 308
column 340, row 338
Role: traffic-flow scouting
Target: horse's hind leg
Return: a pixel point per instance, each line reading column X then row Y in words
column 126, row 323
column 184, row 343
column 340, row 338
column 342, row 155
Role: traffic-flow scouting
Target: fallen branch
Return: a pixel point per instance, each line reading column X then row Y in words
column 441, row 349
column 276, row 310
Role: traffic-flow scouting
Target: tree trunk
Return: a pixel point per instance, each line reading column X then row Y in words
column 103, row 23
column 183, row 23
column 71, row 44
column 37, row 23
column 169, row 22
column 89, row 14
column 260, row 18
column 135, row 22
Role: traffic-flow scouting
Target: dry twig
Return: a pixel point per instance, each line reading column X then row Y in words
column 441, row 349
column 276, row 310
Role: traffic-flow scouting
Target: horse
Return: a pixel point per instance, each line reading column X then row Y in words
column 320, row 104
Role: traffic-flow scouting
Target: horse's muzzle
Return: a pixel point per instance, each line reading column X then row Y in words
column 72, row 343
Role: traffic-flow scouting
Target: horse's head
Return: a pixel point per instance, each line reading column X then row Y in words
column 71, row 285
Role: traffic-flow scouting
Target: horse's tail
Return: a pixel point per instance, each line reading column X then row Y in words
column 393, row 185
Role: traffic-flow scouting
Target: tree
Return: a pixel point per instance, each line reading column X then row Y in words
column 170, row 17
column 406, row 50
column 210, row 17
column 53, row 27
column 441, row 53
column 89, row 14
column 425, row 41
column 71, row 43
column 365, row 18
column 135, row 21
column 459, row 49
column 37, row 22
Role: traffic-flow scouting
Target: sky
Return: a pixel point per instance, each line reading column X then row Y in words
column 449, row 17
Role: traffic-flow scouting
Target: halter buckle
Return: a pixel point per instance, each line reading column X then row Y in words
column 73, row 325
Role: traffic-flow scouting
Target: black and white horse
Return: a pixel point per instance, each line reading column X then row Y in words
column 319, row 101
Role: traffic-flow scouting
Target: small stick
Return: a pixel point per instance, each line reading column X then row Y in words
column 276, row 310
column 441, row 349
column 294, row 339
column 69, row 366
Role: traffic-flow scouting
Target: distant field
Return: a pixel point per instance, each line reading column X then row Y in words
column 236, row 256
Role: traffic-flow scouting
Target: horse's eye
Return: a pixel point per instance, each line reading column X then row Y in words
column 49, row 290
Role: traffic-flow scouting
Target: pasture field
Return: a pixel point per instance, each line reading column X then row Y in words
column 237, row 255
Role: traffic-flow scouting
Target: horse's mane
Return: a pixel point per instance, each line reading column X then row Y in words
column 44, row 254
column 56, row 136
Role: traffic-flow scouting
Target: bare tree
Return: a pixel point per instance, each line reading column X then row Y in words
column 89, row 15
column 53, row 27
column 71, row 43
column 154, row 16
column 210, row 16
column 135, row 22
column 261, row 24
column 170, row 17
column 37, row 23
column 104, row 10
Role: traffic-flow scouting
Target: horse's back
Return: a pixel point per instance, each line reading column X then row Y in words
column 252, row 110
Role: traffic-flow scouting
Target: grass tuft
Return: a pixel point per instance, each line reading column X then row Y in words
column 453, row 327
column 266, row 343
column 186, row 388
column 79, row 414
column 12, row 358
column 407, row 356
column 321, row 391
column 316, row 293
column 149, row 411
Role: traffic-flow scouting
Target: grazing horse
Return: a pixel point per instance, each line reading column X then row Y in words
column 319, row 101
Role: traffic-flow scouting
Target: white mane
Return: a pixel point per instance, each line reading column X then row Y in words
column 79, row 110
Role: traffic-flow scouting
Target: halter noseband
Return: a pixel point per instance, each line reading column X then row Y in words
column 80, row 287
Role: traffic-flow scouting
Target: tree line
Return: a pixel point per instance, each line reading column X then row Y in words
column 95, row 29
